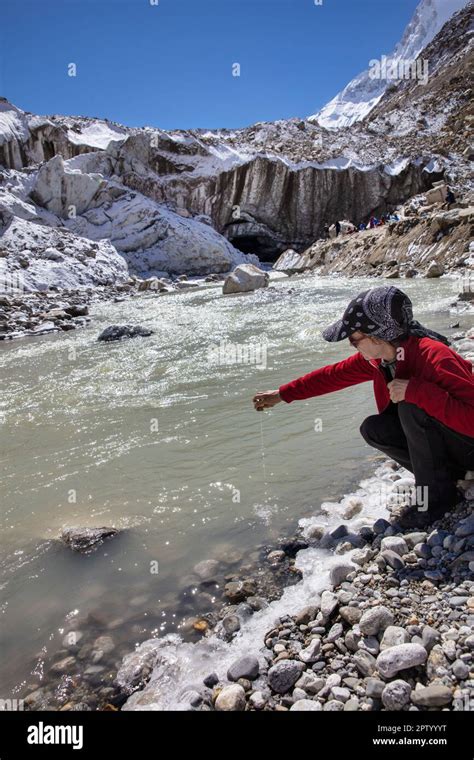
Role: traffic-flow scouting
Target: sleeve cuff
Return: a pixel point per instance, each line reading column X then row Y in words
column 284, row 393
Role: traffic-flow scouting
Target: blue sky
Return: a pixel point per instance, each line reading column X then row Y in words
column 170, row 65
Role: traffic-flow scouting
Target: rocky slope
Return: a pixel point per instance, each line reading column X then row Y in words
column 363, row 93
column 428, row 242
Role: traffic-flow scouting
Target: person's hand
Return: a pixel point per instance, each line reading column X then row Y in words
column 266, row 399
column 397, row 390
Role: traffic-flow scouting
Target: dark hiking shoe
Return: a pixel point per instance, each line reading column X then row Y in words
column 414, row 518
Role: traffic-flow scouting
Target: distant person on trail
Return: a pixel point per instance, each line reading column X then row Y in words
column 326, row 232
column 362, row 226
column 450, row 197
column 372, row 222
column 338, row 228
column 423, row 389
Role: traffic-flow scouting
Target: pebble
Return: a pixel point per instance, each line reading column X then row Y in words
column 434, row 695
column 396, row 695
column 395, row 544
column 245, row 667
column 306, row 705
column 393, row 636
column 400, row 657
column 283, row 676
column 231, row 698
column 375, row 620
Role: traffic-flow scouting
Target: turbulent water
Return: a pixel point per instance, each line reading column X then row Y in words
column 158, row 436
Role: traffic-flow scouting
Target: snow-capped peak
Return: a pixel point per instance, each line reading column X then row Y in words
column 363, row 93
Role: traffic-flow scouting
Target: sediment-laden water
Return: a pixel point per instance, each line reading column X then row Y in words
column 158, row 437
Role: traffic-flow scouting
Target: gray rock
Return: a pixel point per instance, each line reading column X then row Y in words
column 311, row 652
column 211, row 680
column 306, row 705
column 380, row 526
column 276, row 556
column 340, row 693
column 310, row 683
column 339, row 572
column 329, row 603
column 305, row 615
column 393, row 636
column 396, row 695
column 334, row 632
column 85, row 540
column 412, row 539
column 333, row 706
column 238, row 591
column 401, row 657
column 245, row 667
column 460, row 670
column 364, row 662
column 422, row 550
column 458, row 601
column 103, row 645
column 434, row 695
column 117, row 332
column 231, row 698
column 206, row 569
column 63, row 666
column 374, row 620
column 283, row 676
column 429, row 637
column 244, row 278
column 374, row 688
column 351, row 615
column 392, row 559
column 470, row 642
column 370, row 644
column 394, row 544
column 258, row 700
column 465, row 527
column 230, row 624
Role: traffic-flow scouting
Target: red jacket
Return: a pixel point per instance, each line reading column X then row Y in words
column 441, row 382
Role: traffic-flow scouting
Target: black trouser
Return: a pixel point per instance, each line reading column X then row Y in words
column 436, row 454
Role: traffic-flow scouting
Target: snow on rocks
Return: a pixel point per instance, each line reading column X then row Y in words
column 65, row 191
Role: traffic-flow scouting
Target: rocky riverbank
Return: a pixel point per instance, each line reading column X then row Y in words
column 393, row 630
column 56, row 310
column 427, row 240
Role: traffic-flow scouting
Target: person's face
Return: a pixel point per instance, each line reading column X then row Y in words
column 367, row 345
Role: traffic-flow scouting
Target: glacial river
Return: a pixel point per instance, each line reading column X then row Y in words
column 158, row 437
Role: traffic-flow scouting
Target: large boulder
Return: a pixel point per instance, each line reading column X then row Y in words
column 63, row 191
column 245, row 278
column 289, row 260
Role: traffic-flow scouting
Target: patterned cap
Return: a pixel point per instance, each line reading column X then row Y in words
column 385, row 312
